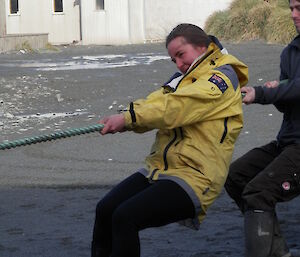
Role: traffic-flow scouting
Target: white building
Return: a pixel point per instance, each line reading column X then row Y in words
column 102, row 21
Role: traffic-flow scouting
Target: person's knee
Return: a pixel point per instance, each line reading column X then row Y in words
column 103, row 209
column 122, row 218
column 232, row 184
column 234, row 169
column 229, row 184
column 258, row 199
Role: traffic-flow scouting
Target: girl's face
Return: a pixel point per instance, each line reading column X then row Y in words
column 183, row 54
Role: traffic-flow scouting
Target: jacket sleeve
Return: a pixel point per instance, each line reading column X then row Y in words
column 190, row 103
column 286, row 92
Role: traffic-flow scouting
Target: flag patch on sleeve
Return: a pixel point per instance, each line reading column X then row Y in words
column 219, row 82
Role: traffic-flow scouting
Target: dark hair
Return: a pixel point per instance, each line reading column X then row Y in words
column 193, row 35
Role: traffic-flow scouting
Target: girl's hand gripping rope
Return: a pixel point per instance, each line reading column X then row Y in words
column 113, row 124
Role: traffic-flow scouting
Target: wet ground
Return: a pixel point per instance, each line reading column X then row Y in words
column 48, row 191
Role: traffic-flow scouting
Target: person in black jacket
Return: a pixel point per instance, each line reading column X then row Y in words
column 270, row 174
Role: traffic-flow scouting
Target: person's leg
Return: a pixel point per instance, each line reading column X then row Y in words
column 102, row 235
column 279, row 246
column 278, row 182
column 244, row 169
column 259, row 226
column 162, row 203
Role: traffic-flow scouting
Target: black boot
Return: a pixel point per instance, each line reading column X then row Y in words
column 279, row 246
column 259, row 227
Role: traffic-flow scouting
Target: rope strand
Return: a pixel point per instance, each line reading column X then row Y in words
column 52, row 136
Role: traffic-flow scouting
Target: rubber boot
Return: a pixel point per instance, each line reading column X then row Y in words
column 279, row 246
column 259, row 227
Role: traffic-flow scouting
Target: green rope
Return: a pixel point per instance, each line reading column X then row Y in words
column 52, row 136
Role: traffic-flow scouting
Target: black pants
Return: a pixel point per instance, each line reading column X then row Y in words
column 265, row 176
column 133, row 205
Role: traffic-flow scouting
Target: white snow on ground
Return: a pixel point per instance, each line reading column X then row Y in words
column 91, row 62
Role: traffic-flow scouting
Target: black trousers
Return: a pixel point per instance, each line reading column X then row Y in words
column 133, row 205
column 265, row 176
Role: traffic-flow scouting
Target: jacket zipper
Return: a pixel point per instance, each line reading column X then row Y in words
column 181, row 135
column 225, row 130
column 167, row 148
column 152, row 174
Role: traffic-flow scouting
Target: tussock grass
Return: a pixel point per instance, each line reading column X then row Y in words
column 51, row 47
column 25, row 46
column 269, row 20
column 239, row 5
column 280, row 28
column 282, row 3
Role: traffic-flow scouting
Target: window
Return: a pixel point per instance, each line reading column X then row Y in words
column 99, row 4
column 58, row 6
column 14, row 6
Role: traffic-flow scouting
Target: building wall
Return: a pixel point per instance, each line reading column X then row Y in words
column 16, row 42
column 138, row 21
column 37, row 16
column 119, row 23
column 2, row 18
column 161, row 18
column 122, row 21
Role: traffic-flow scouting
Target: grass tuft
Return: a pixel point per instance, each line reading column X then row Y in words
column 51, row 47
column 269, row 20
column 280, row 27
column 25, row 46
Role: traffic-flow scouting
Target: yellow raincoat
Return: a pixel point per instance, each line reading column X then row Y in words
column 198, row 123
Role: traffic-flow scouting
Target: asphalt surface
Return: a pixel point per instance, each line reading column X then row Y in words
column 48, row 191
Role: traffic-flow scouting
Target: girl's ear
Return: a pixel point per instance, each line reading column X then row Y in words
column 202, row 49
